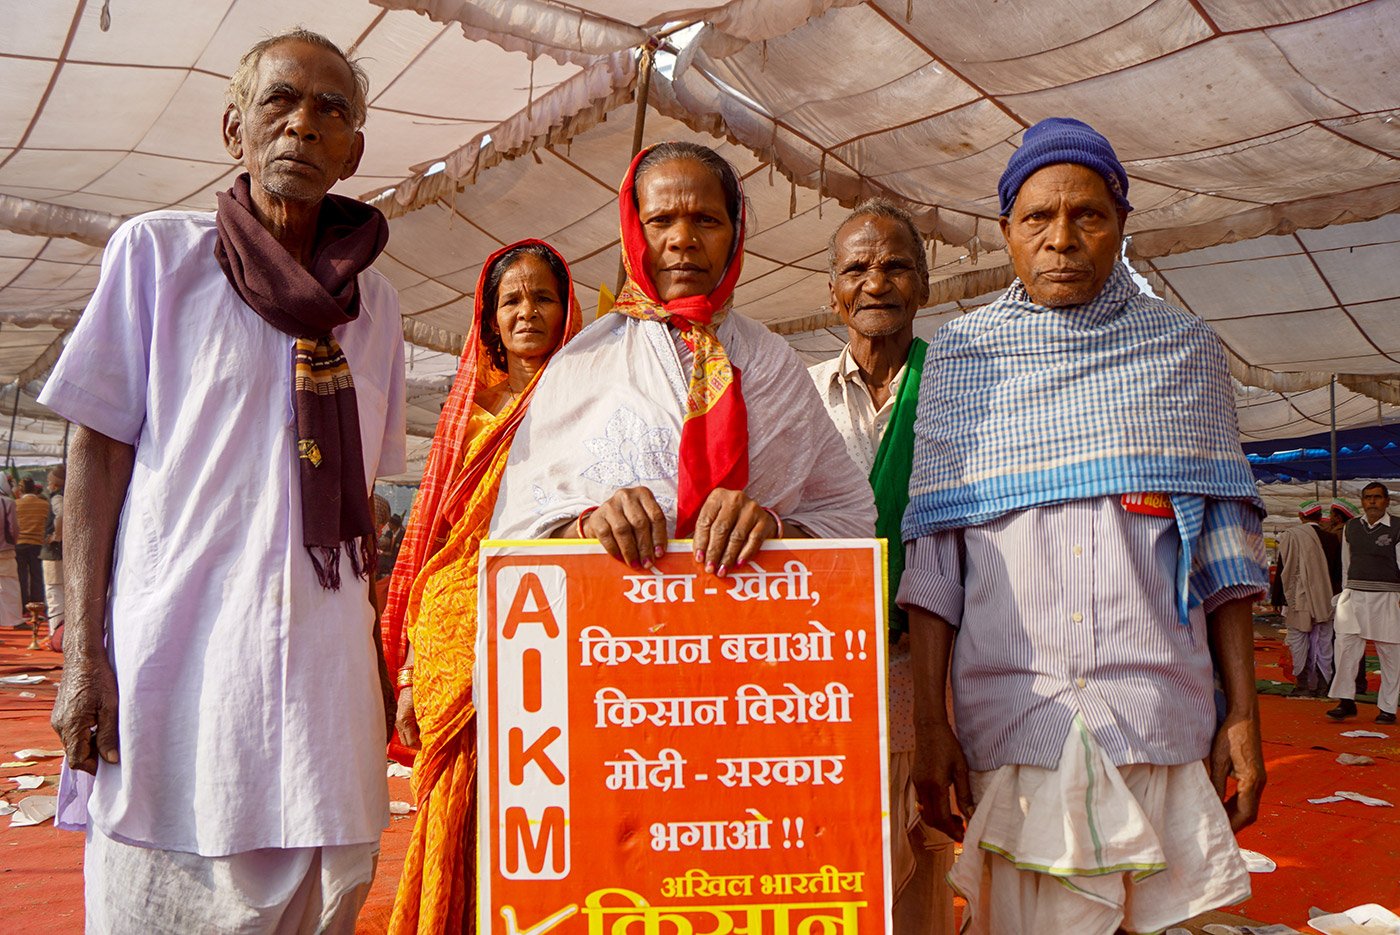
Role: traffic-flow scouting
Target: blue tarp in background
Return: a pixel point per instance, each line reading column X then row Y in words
column 1372, row 452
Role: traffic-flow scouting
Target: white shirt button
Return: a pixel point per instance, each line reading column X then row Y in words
column 1077, row 617
column 1079, row 550
column 1080, row 682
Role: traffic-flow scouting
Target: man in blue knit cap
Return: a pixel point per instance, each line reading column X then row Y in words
column 1083, row 544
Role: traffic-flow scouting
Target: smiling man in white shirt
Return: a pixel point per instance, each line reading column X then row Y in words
column 879, row 281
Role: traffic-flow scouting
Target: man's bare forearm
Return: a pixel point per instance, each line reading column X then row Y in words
column 1231, row 629
column 930, row 647
column 99, row 472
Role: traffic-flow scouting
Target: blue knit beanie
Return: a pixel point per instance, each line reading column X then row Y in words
column 1063, row 139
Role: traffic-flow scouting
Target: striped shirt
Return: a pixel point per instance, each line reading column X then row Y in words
column 1071, row 610
column 848, row 402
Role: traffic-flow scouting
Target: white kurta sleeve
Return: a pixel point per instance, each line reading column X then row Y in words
column 834, row 497
column 101, row 380
column 837, row 501
column 1346, row 559
column 393, row 452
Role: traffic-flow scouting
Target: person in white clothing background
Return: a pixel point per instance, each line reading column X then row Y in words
column 1369, row 606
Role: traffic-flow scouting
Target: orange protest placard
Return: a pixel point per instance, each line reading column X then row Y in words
column 670, row 753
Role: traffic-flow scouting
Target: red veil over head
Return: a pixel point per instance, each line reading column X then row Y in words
column 714, row 447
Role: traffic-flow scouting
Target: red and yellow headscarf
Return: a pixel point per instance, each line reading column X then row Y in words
column 448, row 483
column 714, row 449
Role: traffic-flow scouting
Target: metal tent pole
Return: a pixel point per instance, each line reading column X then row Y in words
column 1332, row 392
column 644, row 64
column 10, row 442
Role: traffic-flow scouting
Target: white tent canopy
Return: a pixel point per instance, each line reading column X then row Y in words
column 1234, row 119
column 495, row 119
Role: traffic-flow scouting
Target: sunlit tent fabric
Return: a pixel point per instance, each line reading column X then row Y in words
column 99, row 124
column 495, row 118
column 1234, row 119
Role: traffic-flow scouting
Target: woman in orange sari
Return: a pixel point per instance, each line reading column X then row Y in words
column 525, row 310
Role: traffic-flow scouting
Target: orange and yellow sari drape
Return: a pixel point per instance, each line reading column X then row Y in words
column 432, row 604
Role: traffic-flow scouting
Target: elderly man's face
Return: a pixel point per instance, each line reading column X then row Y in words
column 1065, row 234
column 876, row 287
column 298, row 137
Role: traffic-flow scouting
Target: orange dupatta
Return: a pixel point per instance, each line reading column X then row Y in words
column 432, row 598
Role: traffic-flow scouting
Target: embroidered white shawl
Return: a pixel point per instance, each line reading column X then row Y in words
column 607, row 414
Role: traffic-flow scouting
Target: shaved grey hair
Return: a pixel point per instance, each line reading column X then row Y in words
column 881, row 208
column 245, row 79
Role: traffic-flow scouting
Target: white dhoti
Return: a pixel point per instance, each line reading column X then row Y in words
column 1312, row 655
column 1089, row 847
column 132, row 890
column 920, row 856
column 53, row 591
column 10, row 613
column 1362, row 616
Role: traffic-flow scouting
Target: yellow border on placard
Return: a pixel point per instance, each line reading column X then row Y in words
column 881, row 609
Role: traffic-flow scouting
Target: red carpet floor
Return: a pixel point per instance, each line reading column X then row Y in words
column 1333, row 856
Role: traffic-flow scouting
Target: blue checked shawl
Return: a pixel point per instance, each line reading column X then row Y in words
column 1026, row 406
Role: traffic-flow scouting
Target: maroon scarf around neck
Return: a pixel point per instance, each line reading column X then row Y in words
column 306, row 304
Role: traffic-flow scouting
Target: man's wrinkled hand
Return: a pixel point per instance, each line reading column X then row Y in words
column 630, row 525
column 939, row 766
column 1238, row 751
column 85, row 713
column 406, row 723
column 729, row 530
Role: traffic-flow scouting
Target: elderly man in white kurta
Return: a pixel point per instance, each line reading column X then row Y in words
column 237, row 380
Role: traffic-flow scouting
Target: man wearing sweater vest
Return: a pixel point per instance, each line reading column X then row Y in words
column 1369, row 608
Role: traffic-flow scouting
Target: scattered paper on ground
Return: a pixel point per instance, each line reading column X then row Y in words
column 34, row 810
column 28, row 695
column 1354, row 759
column 27, row 781
column 1256, row 862
column 25, row 679
column 1365, row 733
column 1363, row 799
column 399, row 771
column 399, row 808
column 6, row 808
column 1327, row 798
column 17, row 764
column 1370, row 919
column 32, row 753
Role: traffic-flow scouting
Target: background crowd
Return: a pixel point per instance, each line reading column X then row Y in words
column 31, row 551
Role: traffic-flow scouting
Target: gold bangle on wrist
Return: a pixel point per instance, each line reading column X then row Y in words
column 405, row 677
